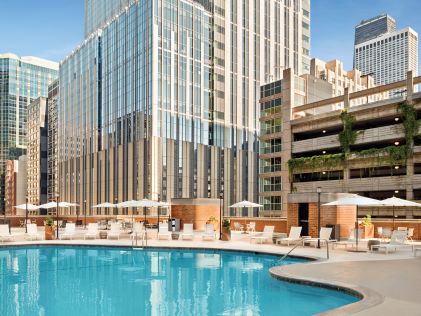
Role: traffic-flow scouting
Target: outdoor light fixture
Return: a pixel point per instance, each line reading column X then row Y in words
column 324, row 172
column 324, row 131
column 396, row 143
column 396, row 119
column 396, row 191
column 396, row 167
column 324, row 151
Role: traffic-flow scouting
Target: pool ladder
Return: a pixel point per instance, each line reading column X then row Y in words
column 144, row 240
column 295, row 246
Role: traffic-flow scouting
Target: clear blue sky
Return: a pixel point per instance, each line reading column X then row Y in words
column 52, row 28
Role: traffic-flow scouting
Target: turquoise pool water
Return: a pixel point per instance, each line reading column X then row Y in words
column 64, row 281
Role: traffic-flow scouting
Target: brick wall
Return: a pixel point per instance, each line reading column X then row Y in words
column 197, row 215
column 279, row 223
column 342, row 215
column 416, row 224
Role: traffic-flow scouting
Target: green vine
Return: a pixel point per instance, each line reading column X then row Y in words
column 347, row 136
column 327, row 162
column 392, row 155
column 410, row 124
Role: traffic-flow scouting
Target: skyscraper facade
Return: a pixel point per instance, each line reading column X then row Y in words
column 52, row 104
column 22, row 79
column 388, row 56
column 162, row 101
column 374, row 27
column 37, row 151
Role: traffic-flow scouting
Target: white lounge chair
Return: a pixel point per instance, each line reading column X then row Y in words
column 251, row 227
column 69, row 231
column 32, row 233
column 294, row 236
column 115, row 231
column 138, row 231
column 266, row 235
column 397, row 240
column 163, row 231
column 351, row 241
column 325, row 233
column 209, row 232
column 5, row 235
column 237, row 227
column 187, row 232
column 92, row 231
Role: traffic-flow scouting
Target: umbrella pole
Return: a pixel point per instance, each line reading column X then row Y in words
column 26, row 216
column 358, row 231
column 57, row 217
column 393, row 219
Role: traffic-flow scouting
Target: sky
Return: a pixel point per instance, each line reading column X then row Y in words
column 51, row 29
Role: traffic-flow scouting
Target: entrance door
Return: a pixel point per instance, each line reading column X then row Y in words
column 303, row 218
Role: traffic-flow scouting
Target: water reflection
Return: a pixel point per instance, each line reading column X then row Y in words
column 101, row 281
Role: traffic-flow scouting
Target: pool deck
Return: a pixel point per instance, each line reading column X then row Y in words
column 390, row 284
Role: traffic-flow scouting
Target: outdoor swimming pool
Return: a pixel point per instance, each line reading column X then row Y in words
column 62, row 281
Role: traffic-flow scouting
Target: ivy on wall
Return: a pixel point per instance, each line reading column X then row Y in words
column 347, row 136
column 391, row 155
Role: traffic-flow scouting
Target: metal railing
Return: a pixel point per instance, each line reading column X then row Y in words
column 302, row 241
column 143, row 239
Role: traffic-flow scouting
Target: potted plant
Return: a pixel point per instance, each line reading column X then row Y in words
column 368, row 227
column 226, row 230
column 49, row 228
column 212, row 220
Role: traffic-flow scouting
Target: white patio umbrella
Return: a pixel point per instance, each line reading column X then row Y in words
column 394, row 201
column 54, row 205
column 27, row 207
column 356, row 200
column 106, row 205
column 244, row 204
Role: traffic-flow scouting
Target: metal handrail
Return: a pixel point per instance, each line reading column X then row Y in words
column 302, row 242
column 143, row 239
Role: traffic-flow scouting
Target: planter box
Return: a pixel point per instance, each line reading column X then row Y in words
column 49, row 232
column 368, row 232
column 226, row 234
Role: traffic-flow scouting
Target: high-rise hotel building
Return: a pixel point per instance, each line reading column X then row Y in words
column 384, row 52
column 161, row 99
column 22, row 80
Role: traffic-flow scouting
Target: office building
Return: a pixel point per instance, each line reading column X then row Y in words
column 22, row 80
column 52, row 103
column 374, row 27
column 326, row 80
column 37, row 150
column 388, row 56
column 15, row 185
column 307, row 151
column 161, row 101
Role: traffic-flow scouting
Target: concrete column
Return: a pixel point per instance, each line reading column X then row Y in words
column 409, row 85
column 346, row 98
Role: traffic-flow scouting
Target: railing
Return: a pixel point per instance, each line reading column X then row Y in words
column 143, row 239
column 296, row 245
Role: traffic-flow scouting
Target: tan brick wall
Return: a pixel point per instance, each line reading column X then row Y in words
column 280, row 224
column 197, row 215
column 409, row 224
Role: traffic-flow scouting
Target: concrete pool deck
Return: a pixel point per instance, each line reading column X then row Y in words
column 390, row 284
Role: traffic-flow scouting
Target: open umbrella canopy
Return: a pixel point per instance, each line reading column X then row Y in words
column 245, row 204
column 356, row 200
column 106, row 204
column 30, row 206
column 394, row 201
column 139, row 203
column 69, row 204
column 53, row 204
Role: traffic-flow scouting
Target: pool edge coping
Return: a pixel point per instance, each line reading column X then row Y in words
column 368, row 298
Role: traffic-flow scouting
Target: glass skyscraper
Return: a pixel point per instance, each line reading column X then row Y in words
column 22, row 80
column 161, row 101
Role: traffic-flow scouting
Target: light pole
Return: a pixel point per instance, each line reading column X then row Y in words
column 84, row 207
column 319, row 191
column 57, row 200
column 221, row 197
